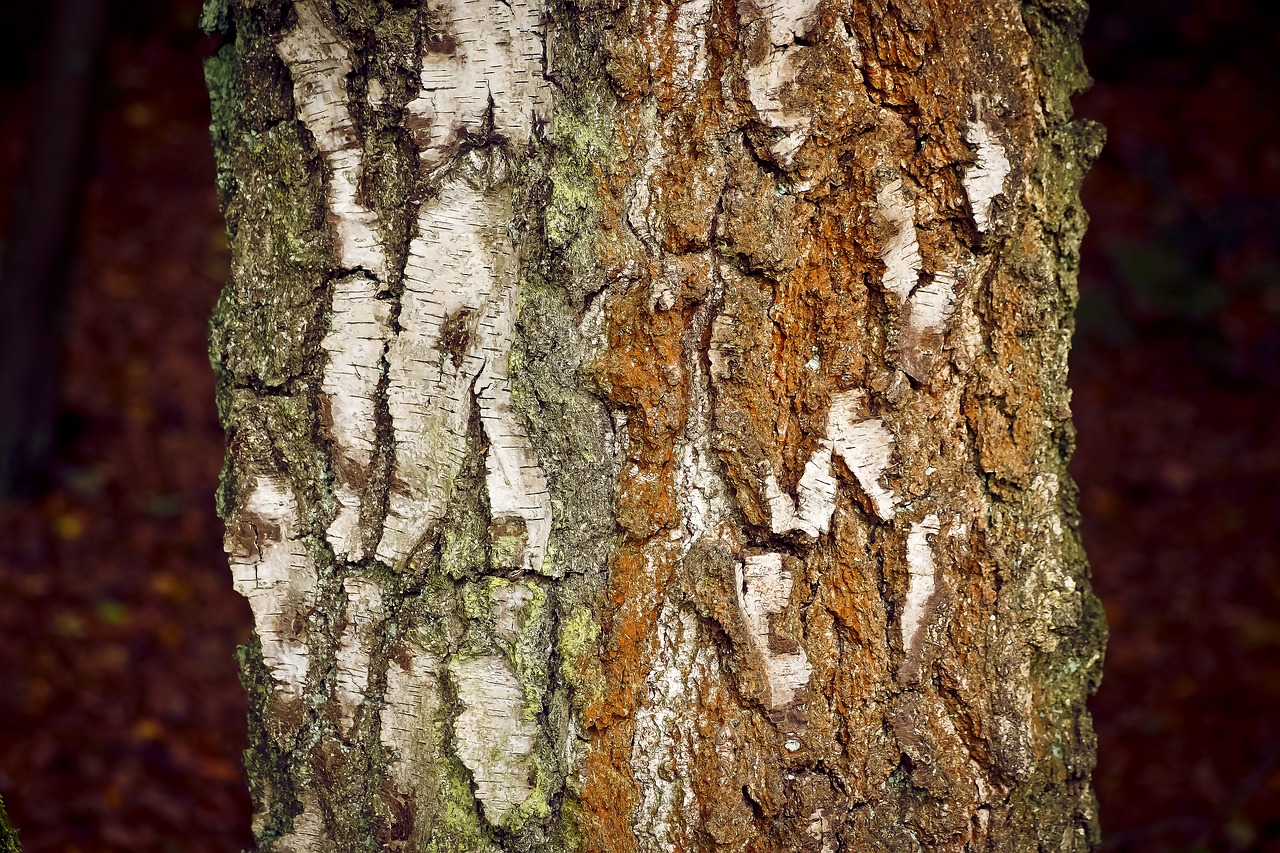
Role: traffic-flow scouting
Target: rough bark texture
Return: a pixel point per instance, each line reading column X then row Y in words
column 648, row 424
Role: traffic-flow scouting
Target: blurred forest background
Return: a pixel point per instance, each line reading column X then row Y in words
column 121, row 718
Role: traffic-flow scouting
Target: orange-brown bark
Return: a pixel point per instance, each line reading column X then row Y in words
column 756, row 266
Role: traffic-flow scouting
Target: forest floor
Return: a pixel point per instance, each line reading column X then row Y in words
column 121, row 718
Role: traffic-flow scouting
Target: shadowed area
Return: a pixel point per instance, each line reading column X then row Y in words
column 1176, row 370
column 121, row 714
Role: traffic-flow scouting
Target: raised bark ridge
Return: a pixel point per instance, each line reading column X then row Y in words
column 669, row 458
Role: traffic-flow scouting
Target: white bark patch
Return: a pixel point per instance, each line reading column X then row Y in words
column 723, row 352
column 457, row 315
column 409, row 716
column 932, row 304
column 483, row 69
column 320, row 64
column 787, row 20
column 691, row 44
column 662, row 749
column 643, row 192
column 782, row 507
column 984, row 180
column 928, row 312
column 764, row 588
column 355, row 646
column 493, row 738
column 278, row 578
column 901, row 252
column 449, row 276
column 701, row 491
column 865, row 445
column 519, row 500
column 810, row 513
column 357, row 339
column 921, row 583
column 784, row 22
column 816, row 491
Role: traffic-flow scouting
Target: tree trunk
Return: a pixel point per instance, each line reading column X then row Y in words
column 648, row 426
column 35, row 258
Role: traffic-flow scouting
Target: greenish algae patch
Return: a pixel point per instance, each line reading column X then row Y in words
column 578, row 642
column 459, row 827
column 463, row 544
column 578, row 648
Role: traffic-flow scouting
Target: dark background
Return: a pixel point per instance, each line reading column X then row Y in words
column 121, row 719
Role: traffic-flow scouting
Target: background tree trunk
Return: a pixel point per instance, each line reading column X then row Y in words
column 35, row 256
column 648, row 427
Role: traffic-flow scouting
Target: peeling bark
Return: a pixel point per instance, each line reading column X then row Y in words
column 647, row 423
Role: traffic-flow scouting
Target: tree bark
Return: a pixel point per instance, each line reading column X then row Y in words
column 647, row 424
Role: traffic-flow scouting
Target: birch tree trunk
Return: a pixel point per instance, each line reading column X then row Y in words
column 647, row 423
